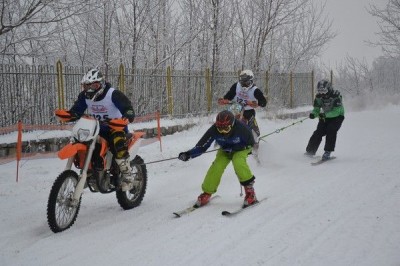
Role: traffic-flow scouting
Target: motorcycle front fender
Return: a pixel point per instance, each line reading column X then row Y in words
column 70, row 150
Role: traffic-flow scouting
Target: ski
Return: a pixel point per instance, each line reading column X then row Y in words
column 323, row 161
column 237, row 211
column 190, row 209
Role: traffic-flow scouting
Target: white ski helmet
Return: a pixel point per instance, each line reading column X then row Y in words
column 93, row 75
column 93, row 83
column 246, row 79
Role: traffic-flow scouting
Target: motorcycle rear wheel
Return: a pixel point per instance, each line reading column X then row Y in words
column 131, row 199
column 61, row 214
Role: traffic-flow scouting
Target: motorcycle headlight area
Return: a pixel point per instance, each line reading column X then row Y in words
column 85, row 129
column 235, row 108
column 83, row 135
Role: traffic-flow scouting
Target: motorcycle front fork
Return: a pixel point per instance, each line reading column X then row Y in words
column 83, row 175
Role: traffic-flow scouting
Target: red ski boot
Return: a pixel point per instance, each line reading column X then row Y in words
column 250, row 197
column 203, row 199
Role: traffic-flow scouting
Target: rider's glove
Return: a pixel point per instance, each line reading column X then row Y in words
column 222, row 101
column 130, row 114
column 253, row 104
column 184, row 156
column 312, row 116
column 66, row 116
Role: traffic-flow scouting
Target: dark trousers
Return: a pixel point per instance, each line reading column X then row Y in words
column 326, row 127
column 249, row 118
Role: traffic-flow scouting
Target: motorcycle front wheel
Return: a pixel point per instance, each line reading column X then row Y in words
column 61, row 212
column 132, row 198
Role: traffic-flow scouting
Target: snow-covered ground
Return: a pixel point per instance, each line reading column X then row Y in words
column 344, row 212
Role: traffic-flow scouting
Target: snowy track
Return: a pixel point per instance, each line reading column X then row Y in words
column 345, row 212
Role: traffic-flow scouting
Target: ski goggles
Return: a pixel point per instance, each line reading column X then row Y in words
column 92, row 86
column 322, row 90
column 246, row 83
column 225, row 129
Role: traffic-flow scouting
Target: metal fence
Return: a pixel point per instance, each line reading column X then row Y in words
column 31, row 93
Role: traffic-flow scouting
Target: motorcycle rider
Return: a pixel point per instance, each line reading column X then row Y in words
column 104, row 102
column 250, row 96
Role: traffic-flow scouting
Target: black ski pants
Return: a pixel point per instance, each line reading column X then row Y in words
column 326, row 127
column 249, row 118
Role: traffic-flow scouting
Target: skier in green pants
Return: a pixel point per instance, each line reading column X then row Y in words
column 236, row 141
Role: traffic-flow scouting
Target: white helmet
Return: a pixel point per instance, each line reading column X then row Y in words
column 93, row 75
column 246, row 79
column 93, row 83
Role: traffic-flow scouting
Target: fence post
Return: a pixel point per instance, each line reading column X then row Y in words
column 208, row 90
column 121, row 83
column 169, row 91
column 331, row 76
column 60, row 85
column 291, row 89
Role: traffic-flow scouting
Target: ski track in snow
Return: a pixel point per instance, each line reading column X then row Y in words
column 344, row 212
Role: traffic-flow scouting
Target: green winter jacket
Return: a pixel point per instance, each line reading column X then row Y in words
column 331, row 105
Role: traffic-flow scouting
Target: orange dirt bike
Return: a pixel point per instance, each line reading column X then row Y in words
column 98, row 171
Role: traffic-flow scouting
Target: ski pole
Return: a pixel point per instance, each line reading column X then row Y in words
column 280, row 129
column 173, row 158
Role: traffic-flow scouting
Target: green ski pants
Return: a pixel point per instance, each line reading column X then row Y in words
column 217, row 168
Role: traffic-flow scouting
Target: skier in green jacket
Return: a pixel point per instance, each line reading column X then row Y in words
column 330, row 119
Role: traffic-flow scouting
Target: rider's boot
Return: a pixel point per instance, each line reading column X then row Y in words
column 126, row 173
column 250, row 197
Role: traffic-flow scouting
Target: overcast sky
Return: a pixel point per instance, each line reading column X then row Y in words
column 353, row 25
